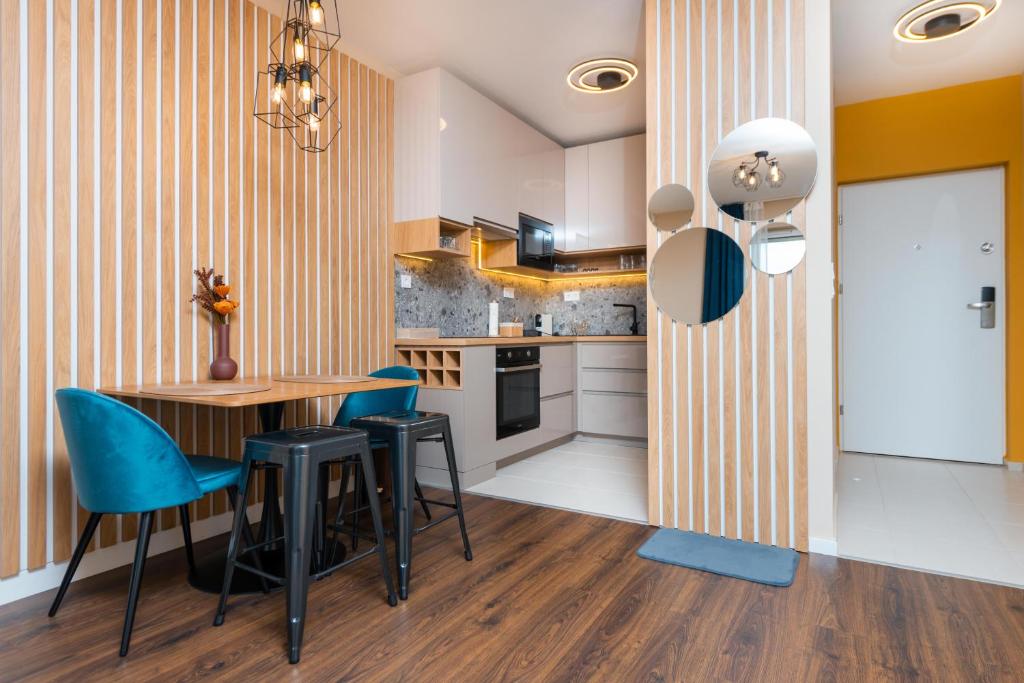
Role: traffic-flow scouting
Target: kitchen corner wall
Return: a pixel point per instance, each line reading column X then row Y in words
column 128, row 156
column 728, row 411
column 452, row 295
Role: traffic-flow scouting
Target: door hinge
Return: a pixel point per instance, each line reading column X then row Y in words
column 842, row 409
column 840, row 287
column 840, row 219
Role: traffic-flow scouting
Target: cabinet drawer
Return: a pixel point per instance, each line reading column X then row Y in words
column 613, row 414
column 616, row 356
column 625, row 381
column 557, row 417
column 557, row 374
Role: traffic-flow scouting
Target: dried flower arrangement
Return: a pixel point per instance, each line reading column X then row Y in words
column 213, row 295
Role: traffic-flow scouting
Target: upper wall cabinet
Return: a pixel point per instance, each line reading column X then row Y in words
column 604, row 195
column 461, row 157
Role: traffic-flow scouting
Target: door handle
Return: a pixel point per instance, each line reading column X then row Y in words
column 986, row 308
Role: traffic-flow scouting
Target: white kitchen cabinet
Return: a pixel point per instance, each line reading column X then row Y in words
column 605, row 194
column 558, row 369
column 612, row 389
column 618, row 177
column 577, row 201
column 461, row 157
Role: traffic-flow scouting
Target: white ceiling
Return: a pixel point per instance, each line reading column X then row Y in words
column 870, row 63
column 516, row 52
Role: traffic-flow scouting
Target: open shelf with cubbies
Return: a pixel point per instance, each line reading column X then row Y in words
column 438, row 368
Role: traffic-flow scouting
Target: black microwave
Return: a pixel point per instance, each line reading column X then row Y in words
column 536, row 243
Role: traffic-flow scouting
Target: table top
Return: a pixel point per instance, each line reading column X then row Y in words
column 278, row 391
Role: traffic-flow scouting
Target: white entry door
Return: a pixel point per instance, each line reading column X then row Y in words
column 920, row 376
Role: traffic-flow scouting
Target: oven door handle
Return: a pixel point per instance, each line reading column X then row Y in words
column 521, row 368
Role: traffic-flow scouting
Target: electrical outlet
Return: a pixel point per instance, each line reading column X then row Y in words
column 406, row 281
column 509, row 293
column 572, row 296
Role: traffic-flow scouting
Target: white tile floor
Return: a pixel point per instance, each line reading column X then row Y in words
column 597, row 476
column 946, row 517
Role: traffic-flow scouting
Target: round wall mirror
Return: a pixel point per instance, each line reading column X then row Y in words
column 698, row 275
column 762, row 169
column 670, row 207
column 777, row 248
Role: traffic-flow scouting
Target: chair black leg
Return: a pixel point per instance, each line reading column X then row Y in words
column 300, row 487
column 370, row 477
column 453, row 472
column 248, row 539
column 141, row 548
column 186, row 531
column 357, row 497
column 83, row 545
column 419, row 497
column 236, row 533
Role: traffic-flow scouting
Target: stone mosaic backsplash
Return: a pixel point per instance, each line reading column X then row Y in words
column 452, row 295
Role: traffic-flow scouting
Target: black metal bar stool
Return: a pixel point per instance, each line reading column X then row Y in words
column 402, row 429
column 302, row 452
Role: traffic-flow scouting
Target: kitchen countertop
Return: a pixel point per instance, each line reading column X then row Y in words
column 518, row 341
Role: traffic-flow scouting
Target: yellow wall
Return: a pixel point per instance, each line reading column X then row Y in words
column 963, row 127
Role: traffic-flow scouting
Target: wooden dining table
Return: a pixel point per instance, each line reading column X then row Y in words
column 269, row 395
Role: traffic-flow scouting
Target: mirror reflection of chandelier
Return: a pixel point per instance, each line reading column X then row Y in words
column 749, row 178
column 300, row 100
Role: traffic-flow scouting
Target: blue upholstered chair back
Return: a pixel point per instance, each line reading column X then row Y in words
column 365, row 403
column 121, row 461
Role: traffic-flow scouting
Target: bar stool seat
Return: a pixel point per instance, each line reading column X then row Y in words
column 401, row 430
column 303, row 453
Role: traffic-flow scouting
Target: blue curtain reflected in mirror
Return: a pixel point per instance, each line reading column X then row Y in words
column 723, row 275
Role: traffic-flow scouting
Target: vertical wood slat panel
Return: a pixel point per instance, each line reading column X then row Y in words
column 729, row 382
column 10, row 288
column 60, row 510
column 87, row 204
column 160, row 199
column 38, row 267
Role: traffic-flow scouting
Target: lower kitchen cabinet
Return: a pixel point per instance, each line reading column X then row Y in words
column 613, row 414
column 557, row 417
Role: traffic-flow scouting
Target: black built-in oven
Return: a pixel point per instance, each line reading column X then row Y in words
column 536, row 243
column 517, row 369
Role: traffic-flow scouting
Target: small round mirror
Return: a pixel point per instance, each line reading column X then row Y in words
column 698, row 275
column 762, row 169
column 777, row 248
column 670, row 207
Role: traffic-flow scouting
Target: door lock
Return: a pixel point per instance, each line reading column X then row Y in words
column 986, row 307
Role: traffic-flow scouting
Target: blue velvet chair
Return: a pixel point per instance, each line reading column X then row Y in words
column 363, row 403
column 124, row 463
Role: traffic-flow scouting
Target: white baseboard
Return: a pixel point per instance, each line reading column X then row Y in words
column 30, row 582
column 1015, row 466
column 824, row 546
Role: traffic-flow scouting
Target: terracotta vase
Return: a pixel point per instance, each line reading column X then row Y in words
column 222, row 367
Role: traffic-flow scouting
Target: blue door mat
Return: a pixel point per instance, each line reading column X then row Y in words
column 738, row 559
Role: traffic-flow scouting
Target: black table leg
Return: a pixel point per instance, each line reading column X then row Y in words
column 402, row 451
column 271, row 415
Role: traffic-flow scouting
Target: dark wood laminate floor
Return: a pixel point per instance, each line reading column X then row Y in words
column 550, row 596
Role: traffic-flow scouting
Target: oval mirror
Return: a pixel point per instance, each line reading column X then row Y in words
column 670, row 207
column 762, row 169
column 698, row 275
column 777, row 248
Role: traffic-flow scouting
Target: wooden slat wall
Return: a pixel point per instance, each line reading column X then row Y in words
column 727, row 423
column 127, row 158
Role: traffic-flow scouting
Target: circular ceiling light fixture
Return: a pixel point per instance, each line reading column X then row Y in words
column 602, row 75
column 939, row 19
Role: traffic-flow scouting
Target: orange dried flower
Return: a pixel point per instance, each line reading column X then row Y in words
column 224, row 307
column 222, row 290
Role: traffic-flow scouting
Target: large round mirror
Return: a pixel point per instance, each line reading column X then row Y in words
column 698, row 275
column 777, row 248
column 762, row 169
column 670, row 207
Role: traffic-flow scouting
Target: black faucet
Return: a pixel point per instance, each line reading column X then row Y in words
column 634, row 329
